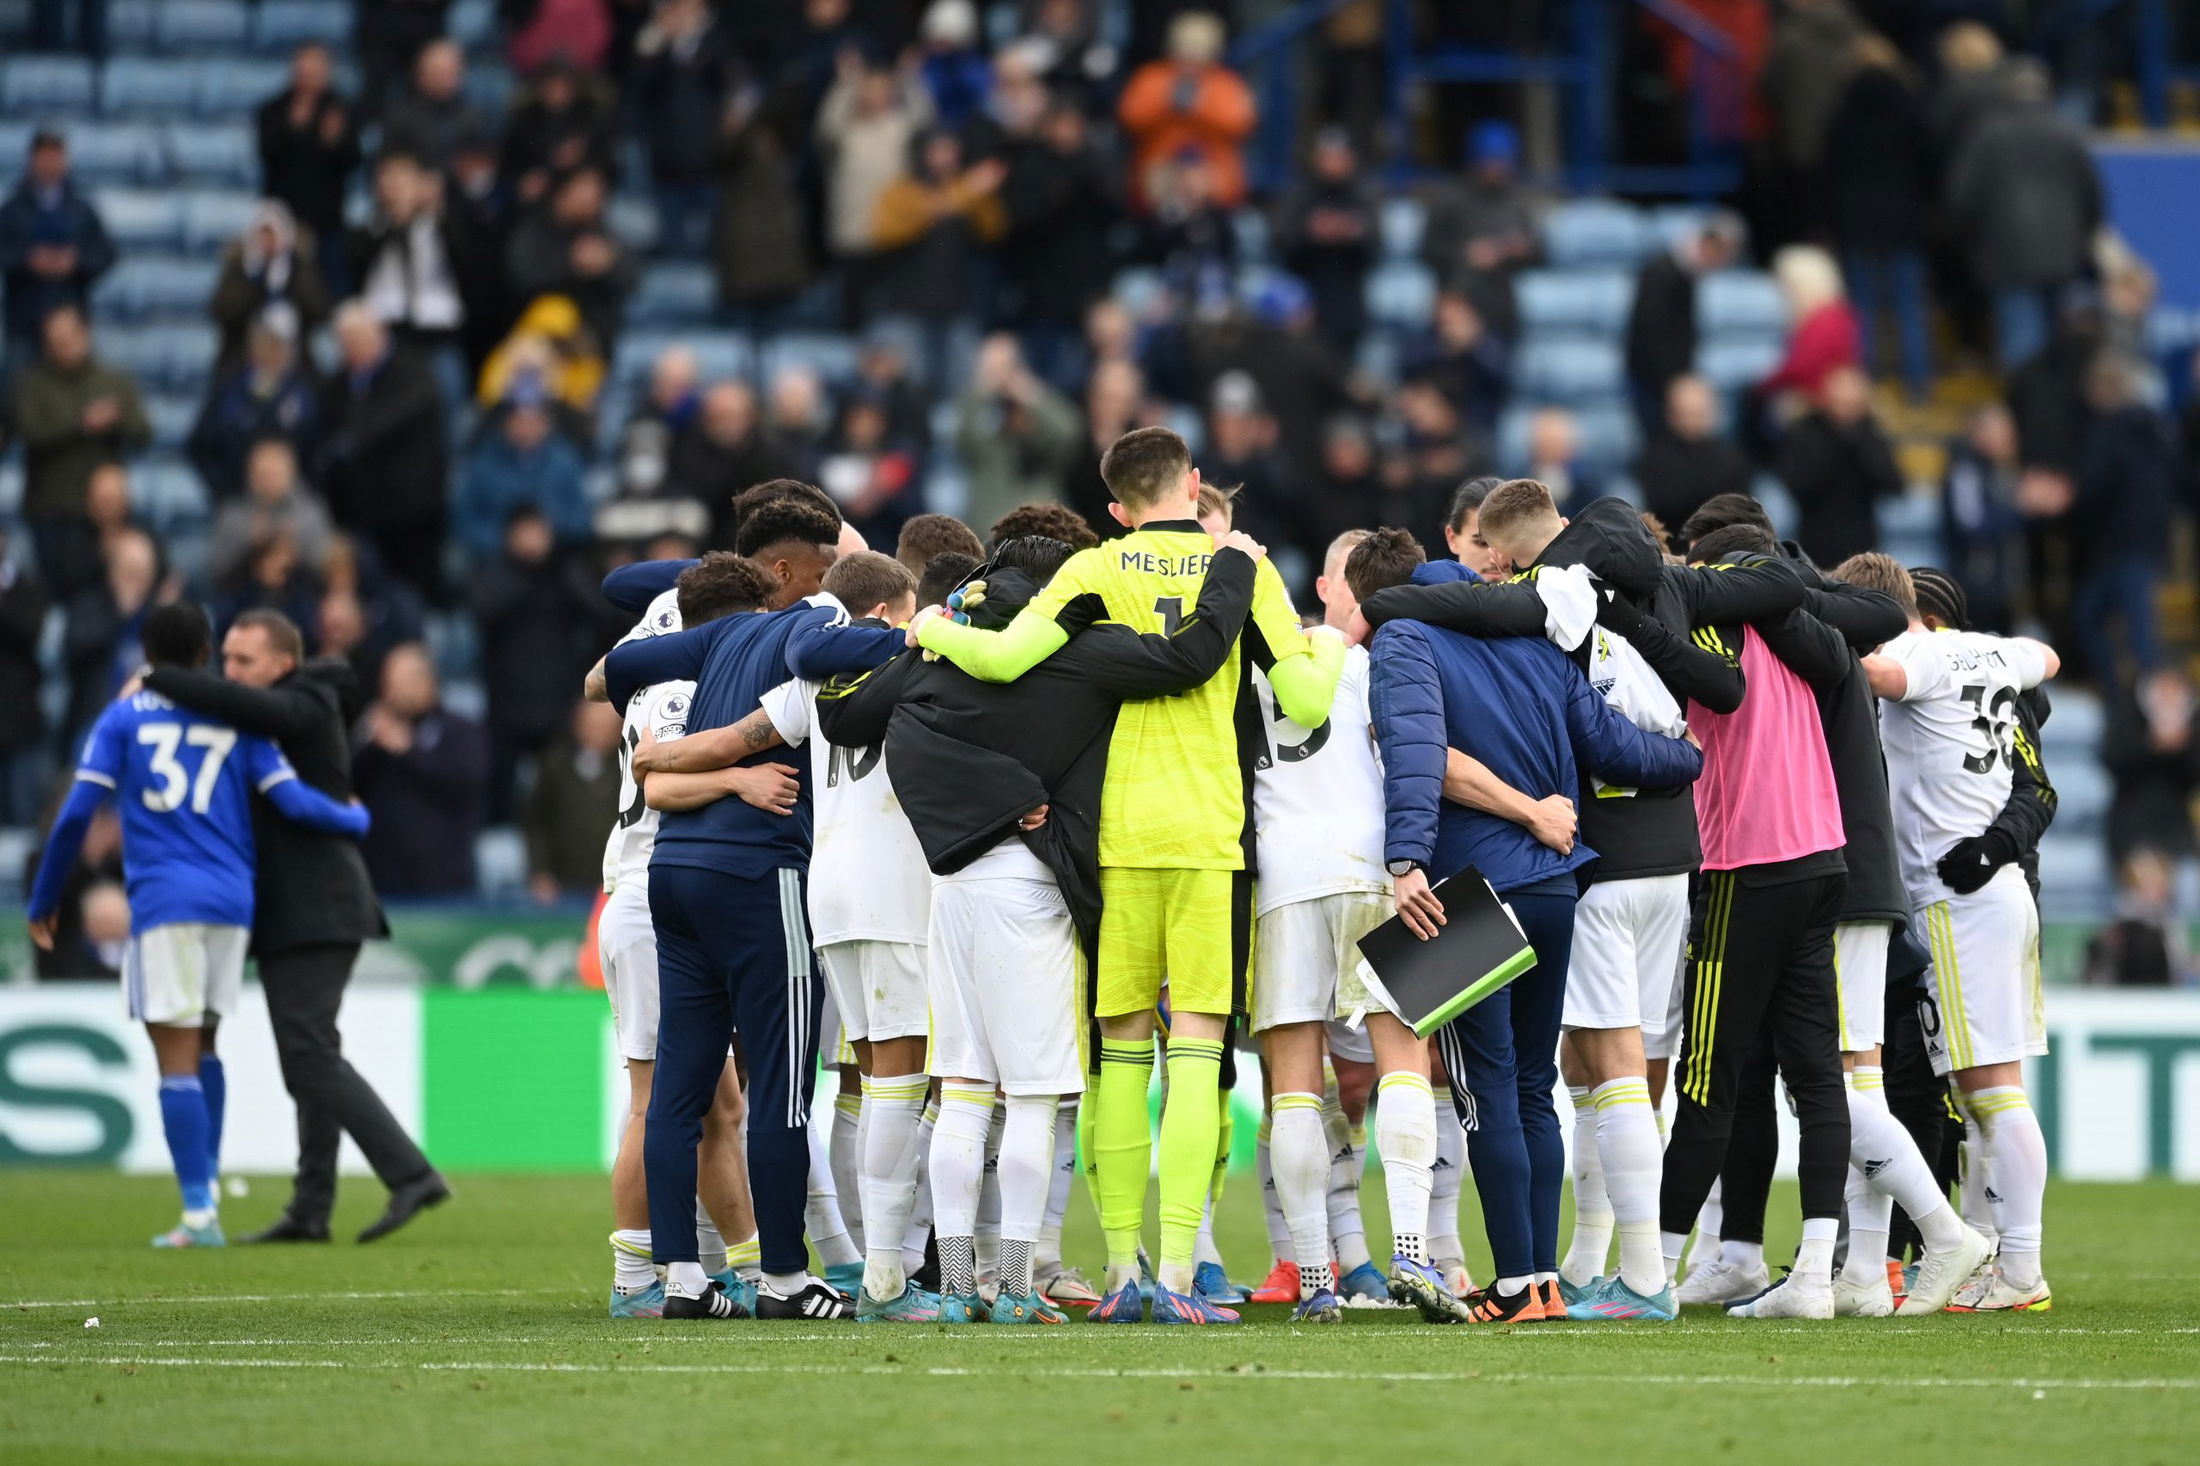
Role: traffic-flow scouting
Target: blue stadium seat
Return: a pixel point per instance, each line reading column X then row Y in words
column 674, row 295
column 130, row 26
column 220, row 153
column 11, row 486
column 831, row 357
column 232, row 89
column 2083, row 790
column 175, row 355
column 46, row 86
column 1566, row 370
column 211, row 220
column 138, row 86
column 201, row 27
column 1605, row 429
column 1915, row 515
column 15, row 143
column 1401, row 293
column 1251, row 228
column 1403, row 222
column 278, row 26
column 473, row 24
column 112, row 153
column 2075, row 881
column 500, row 855
column 1595, row 232
column 2075, row 727
column 1737, row 361
column 155, row 287
column 633, row 222
column 1591, row 302
column 1137, row 289
column 141, row 218
column 166, row 491
column 1740, row 302
column 489, row 86
column 172, row 417
column 1671, row 223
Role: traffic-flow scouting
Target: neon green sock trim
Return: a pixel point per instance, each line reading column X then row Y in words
column 1190, row 1124
column 1122, row 1145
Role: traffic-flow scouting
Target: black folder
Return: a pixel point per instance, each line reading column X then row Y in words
column 1478, row 950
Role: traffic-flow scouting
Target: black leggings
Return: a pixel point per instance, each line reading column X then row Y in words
column 1760, row 962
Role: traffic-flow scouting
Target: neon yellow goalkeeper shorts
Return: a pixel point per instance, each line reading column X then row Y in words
column 1192, row 929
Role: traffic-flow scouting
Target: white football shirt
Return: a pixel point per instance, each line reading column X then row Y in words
column 662, row 708
column 1948, row 740
column 868, row 879
column 1318, row 798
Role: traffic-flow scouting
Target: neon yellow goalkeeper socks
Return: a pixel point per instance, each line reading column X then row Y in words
column 1190, row 1127
column 1122, row 1147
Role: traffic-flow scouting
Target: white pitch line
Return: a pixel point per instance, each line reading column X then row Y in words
column 1837, row 1382
column 282, row 1297
column 767, row 1334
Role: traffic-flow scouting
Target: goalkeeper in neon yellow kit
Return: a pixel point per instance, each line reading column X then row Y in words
column 1175, row 875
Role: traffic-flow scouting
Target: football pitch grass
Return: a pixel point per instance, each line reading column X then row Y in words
column 478, row 1336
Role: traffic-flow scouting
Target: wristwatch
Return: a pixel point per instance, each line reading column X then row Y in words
column 1403, row 867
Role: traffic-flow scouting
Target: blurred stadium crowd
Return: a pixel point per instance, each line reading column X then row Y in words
column 410, row 318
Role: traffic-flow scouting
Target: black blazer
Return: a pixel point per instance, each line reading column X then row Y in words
column 313, row 888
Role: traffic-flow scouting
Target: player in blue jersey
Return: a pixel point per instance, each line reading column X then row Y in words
column 184, row 784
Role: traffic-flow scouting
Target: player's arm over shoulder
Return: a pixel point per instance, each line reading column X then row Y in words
column 1302, row 667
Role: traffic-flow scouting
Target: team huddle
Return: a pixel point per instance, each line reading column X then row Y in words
column 994, row 836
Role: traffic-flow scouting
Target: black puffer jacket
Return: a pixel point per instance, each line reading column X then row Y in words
column 968, row 759
column 313, row 887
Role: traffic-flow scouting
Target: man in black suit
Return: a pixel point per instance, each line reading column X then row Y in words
column 385, row 464
column 314, row 907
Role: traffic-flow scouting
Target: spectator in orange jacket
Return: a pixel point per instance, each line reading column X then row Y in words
column 1190, row 99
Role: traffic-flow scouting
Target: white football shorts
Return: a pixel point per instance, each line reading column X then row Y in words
column 1983, row 1003
column 626, row 947
column 1630, row 938
column 1860, row 975
column 1306, row 958
column 1004, row 975
column 180, row 974
column 878, row 988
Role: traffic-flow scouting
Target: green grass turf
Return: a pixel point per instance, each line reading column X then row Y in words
column 478, row 1336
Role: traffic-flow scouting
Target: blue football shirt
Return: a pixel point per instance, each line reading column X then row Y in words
column 183, row 784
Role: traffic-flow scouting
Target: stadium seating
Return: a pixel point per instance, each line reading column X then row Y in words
column 1594, row 232
column 1588, row 302
column 280, row 25
column 1567, row 370
column 668, row 294
column 155, row 287
column 141, row 218
column 1401, row 293
column 138, row 86
column 46, row 87
column 1403, row 221
column 222, row 154
column 1740, row 303
column 190, row 27
column 211, row 220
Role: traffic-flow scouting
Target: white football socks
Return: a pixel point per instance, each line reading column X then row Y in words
column 822, row 1217
column 987, row 1241
column 892, row 1107
column 686, row 1279
column 710, row 1247
column 1025, row 1171
column 1814, row 1258
column 1592, row 1239
column 1047, row 1256
column 2016, row 1149
column 1884, row 1156
column 1347, row 1158
column 919, row 1231
column 845, row 1165
column 958, row 1175
column 1632, row 1167
column 1300, row 1156
column 1445, row 1182
column 631, row 1268
column 1271, row 1200
column 1405, row 1133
